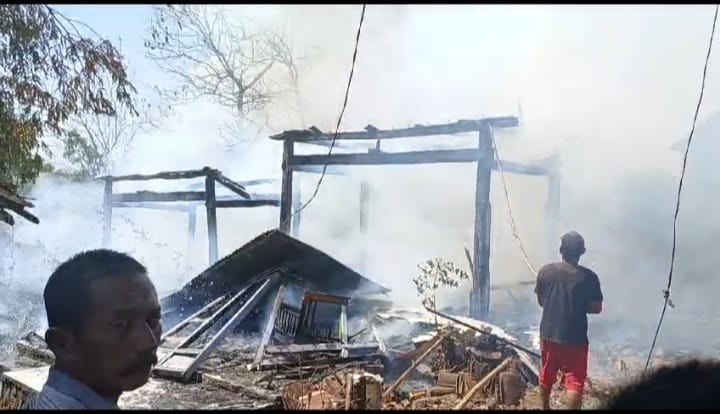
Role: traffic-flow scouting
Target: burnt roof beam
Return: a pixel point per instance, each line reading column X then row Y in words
column 462, row 126
column 412, row 157
column 168, row 175
column 230, row 185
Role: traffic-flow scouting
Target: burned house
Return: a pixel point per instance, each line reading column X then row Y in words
column 290, row 297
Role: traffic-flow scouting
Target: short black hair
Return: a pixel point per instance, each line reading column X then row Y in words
column 66, row 293
column 690, row 384
column 572, row 243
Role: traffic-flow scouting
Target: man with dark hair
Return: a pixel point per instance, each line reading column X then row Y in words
column 103, row 328
column 567, row 292
column 685, row 386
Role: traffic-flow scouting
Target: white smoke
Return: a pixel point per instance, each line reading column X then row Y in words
column 610, row 88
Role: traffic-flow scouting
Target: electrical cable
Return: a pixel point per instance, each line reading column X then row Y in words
column 666, row 292
column 337, row 127
column 513, row 224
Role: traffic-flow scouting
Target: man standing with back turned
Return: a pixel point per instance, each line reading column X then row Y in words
column 567, row 292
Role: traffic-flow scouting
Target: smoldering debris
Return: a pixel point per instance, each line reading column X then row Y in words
column 268, row 327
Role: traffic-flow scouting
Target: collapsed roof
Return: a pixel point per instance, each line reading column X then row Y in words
column 274, row 250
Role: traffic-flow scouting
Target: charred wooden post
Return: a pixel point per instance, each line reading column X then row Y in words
column 480, row 293
column 286, row 193
column 211, row 218
column 107, row 212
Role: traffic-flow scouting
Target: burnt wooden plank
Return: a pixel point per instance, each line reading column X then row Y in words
column 205, row 323
column 168, row 175
column 247, row 203
column 458, row 127
column 205, row 309
column 151, row 196
column 324, row 297
column 248, row 306
column 323, row 347
column 298, row 162
column 270, row 325
column 231, row 185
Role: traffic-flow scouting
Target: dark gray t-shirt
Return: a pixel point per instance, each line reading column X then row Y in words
column 565, row 291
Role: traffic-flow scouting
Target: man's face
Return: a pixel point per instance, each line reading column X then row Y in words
column 117, row 347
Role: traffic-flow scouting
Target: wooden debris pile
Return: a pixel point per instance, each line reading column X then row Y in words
column 453, row 369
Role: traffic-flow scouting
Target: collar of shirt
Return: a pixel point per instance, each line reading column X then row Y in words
column 65, row 384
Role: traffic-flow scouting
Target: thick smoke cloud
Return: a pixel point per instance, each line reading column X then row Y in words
column 609, row 88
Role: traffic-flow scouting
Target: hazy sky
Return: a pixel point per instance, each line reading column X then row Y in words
column 609, row 87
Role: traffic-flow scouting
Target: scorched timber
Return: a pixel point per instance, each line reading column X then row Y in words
column 417, row 131
column 247, row 203
column 231, row 185
column 150, row 196
column 301, row 348
column 412, row 157
column 169, row 175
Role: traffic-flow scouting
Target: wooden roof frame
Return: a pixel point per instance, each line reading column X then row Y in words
column 483, row 155
column 192, row 199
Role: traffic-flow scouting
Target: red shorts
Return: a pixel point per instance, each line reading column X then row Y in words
column 571, row 360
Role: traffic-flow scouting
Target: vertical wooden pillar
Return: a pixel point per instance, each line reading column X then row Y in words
column 107, row 212
column 296, row 206
column 286, row 193
column 480, row 293
column 211, row 218
column 364, row 207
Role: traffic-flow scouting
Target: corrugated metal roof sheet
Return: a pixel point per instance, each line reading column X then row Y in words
column 271, row 250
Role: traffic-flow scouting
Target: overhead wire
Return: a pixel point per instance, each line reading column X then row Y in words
column 666, row 292
column 339, row 121
column 513, row 224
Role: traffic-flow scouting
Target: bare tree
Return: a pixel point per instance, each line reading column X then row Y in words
column 92, row 142
column 233, row 65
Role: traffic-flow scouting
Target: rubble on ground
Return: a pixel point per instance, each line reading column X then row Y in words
column 440, row 366
column 279, row 324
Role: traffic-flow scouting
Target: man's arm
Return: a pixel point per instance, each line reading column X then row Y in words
column 595, row 304
column 539, row 289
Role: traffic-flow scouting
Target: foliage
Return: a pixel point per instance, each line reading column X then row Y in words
column 437, row 273
column 232, row 65
column 95, row 140
column 50, row 71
